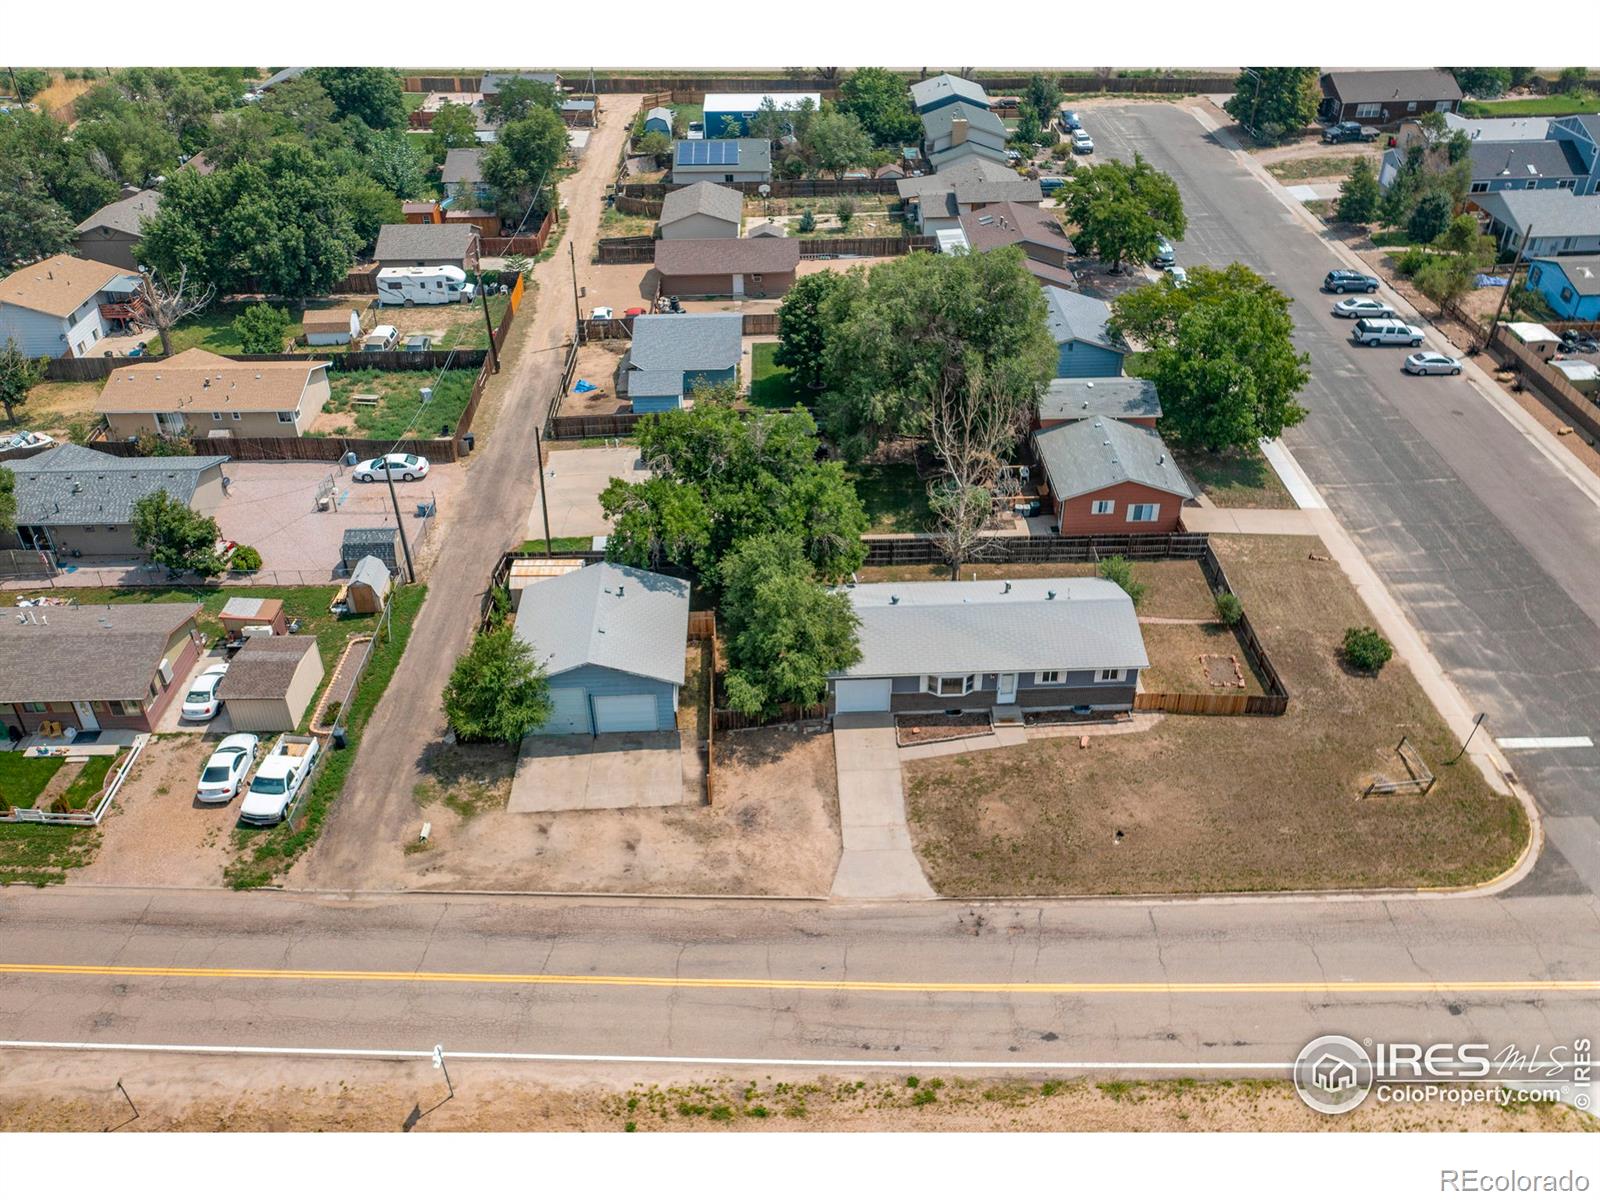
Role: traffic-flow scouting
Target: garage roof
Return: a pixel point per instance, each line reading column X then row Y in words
column 607, row 615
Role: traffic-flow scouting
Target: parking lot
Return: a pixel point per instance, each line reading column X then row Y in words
column 273, row 507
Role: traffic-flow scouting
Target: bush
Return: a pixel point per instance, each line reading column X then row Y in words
column 1431, row 217
column 261, row 329
column 1229, row 610
column 1120, row 572
column 1411, row 261
column 30, row 82
column 808, row 221
column 245, row 558
column 846, row 210
column 1572, row 80
column 1365, row 649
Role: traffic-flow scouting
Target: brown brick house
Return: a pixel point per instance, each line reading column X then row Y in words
column 1109, row 477
column 754, row 267
column 1387, row 97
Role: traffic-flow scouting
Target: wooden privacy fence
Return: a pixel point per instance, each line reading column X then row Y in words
column 876, row 247
column 781, row 188
column 914, row 550
column 592, row 329
column 1207, row 704
column 636, row 206
column 302, row 449
column 527, row 243
column 1574, row 405
column 83, row 370
column 599, row 425
column 612, row 251
column 728, row 721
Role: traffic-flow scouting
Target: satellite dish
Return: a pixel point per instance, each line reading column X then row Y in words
column 355, row 323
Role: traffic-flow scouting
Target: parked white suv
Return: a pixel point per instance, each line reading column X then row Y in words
column 1385, row 331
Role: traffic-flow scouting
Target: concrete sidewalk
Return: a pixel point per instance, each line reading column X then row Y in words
column 878, row 862
column 1249, row 520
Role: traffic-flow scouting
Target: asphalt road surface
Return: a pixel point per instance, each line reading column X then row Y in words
column 1492, row 547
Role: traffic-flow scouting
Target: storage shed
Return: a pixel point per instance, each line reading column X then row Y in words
column 369, row 586
column 332, row 326
column 382, row 542
column 241, row 612
column 270, row 683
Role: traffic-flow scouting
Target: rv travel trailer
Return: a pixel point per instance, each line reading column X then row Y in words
column 424, row 285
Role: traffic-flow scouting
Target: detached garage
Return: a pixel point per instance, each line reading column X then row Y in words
column 612, row 641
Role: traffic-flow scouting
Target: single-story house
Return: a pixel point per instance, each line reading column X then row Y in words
column 60, row 307
column 1107, row 476
column 89, row 667
column 754, row 267
column 1120, row 398
column 672, row 354
column 1036, row 230
column 611, row 640
column 248, row 612
column 702, row 210
column 368, row 589
column 576, row 111
column 941, row 90
column 462, row 173
column 722, row 109
column 109, row 235
column 958, row 130
column 1561, row 222
column 453, row 244
column 270, row 683
column 201, row 394
column 722, row 160
column 375, row 541
column 332, row 326
column 73, row 501
column 1571, row 286
column 939, row 201
column 1038, row 644
column 658, row 120
column 1387, row 97
column 1080, row 326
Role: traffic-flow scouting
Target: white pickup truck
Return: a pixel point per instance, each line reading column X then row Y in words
column 279, row 779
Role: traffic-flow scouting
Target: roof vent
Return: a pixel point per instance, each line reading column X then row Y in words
column 894, row 599
column 1008, row 586
column 205, row 383
column 1050, row 595
column 1161, row 460
column 619, row 591
column 1089, row 384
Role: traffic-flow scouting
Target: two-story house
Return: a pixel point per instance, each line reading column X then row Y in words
column 61, row 307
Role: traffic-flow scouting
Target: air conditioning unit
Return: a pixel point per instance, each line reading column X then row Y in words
column 165, row 671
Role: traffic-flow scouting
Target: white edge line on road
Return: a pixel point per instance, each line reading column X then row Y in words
column 643, row 1059
column 1544, row 743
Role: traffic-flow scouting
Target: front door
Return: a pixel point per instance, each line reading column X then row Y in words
column 86, row 717
column 1006, row 693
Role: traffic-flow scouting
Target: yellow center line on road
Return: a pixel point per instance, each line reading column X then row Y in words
column 1292, row 987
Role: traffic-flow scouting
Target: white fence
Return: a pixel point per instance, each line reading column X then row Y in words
column 39, row 816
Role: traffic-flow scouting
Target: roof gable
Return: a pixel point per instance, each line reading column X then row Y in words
column 926, row 92
column 1377, row 87
column 451, row 240
column 686, row 342
column 608, row 615
column 1074, row 317
column 59, row 285
column 127, row 215
column 73, row 485
column 703, row 198
column 1088, row 456
column 202, row 380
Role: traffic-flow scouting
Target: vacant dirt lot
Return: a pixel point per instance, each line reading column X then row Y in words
column 597, row 363
column 1227, row 803
column 774, row 829
column 52, row 407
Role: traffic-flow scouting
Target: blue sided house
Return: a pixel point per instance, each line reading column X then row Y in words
column 1570, row 284
column 672, row 354
column 1086, row 348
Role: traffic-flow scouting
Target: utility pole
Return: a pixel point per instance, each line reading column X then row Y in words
column 494, row 357
column 544, row 505
column 405, row 545
column 1511, row 282
column 577, row 309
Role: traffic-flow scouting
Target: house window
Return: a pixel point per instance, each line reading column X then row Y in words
column 1569, row 184
column 1442, row 106
column 1113, row 674
column 1103, row 508
column 1566, row 295
column 286, row 418
column 1411, row 106
column 1144, row 512
column 1534, row 274
column 216, row 416
column 1480, row 187
column 952, row 685
column 1530, row 185
column 235, row 416
column 1368, row 110
column 1048, row 677
column 33, row 706
column 129, row 708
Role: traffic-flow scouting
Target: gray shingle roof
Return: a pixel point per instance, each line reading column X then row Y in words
column 686, row 342
column 939, row 122
column 106, row 652
column 1009, row 224
column 451, row 240
column 660, row 114
column 726, row 256
column 704, row 198
column 930, row 91
column 655, row 383
column 752, row 154
column 1521, row 161
column 1553, row 212
column 1088, row 456
column 1078, row 318
column 608, row 615
column 955, row 628
column 264, row 667
column 1582, row 271
column 73, row 485
column 127, row 215
column 993, row 191
column 1120, row 397
column 462, row 165
column 948, row 157
column 1378, row 87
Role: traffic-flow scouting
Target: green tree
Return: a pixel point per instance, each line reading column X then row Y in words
column 803, row 330
column 927, row 326
column 1222, row 355
column 126, row 139
column 261, row 329
column 1430, row 216
column 770, row 122
column 1229, row 610
column 845, row 210
column 176, row 536
column 397, row 165
column 1572, row 80
column 369, row 205
column 524, row 156
column 1121, row 211
column 807, row 222
column 880, row 100
column 1446, row 277
column 1359, row 194
column 519, row 98
column 30, row 81
column 370, row 94
column 785, row 631
column 1042, row 97
column 18, row 375
column 32, row 224
column 1484, row 83
column 1029, row 132
column 1274, row 102
column 835, row 141
column 454, row 128
column 1120, row 572
column 8, row 501
column 498, row 690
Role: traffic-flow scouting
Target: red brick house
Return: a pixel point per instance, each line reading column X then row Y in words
column 1108, row 476
column 754, row 267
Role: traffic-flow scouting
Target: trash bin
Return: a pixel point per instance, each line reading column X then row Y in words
column 468, row 440
column 349, row 458
column 337, row 737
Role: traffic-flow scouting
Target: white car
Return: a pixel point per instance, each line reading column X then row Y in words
column 601, row 313
column 201, row 702
column 1431, row 362
column 1082, row 143
column 392, row 466
column 1360, row 306
column 1179, row 277
column 225, row 770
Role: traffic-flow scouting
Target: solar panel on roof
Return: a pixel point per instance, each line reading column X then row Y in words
column 709, row 153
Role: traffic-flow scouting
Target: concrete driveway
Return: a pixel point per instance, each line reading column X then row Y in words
column 614, row 770
column 878, row 862
column 172, row 719
column 573, row 480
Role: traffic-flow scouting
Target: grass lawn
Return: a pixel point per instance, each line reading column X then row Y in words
column 43, row 854
column 1533, row 106
column 685, row 113
column 558, row 545
column 618, row 224
column 1235, row 480
column 87, row 785
column 452, row 326
column 22, row 779
column 1212, row 804
column 770, row 384
column 895, row 499
column 213, row 330
column 53, row 407
column 1176, row 665
column 1323, row 166
column 1173, row 588
column 396, row 415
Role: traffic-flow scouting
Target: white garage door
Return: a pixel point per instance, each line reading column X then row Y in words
column 569, row 711
column 624, row 714
column 861, row 695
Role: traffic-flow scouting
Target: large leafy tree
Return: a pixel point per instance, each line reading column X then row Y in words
column 1042, row 98
column 835, row 141
column 880, row 100
column 498, row 690
column 926, row 326
column 454, row 128
column 72, row 173
column 1122, row 211
column 1221, row 354
column 398, row 166
column 1463, row 252
column 518, row 98
column 18, row 374
column 786, row 632
column 1274, row 102
column 32, row 224
column 1359, row 194
column 803, row 327
column 176, row 536
column 1485, row 83
column 369, row 204
column 370, row 94
column 524, row 158
column 1431, row 216
column 128, row 140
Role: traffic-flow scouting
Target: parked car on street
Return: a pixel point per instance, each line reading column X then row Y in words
column 1179, row 277
column 1385, row 331
column 1360, row 307
column 1164, row 256
column 200, row 703
column 224, row 772
column 279, row 778
column 1431, row 362
column 1349, row 131
column 1349, row 281
column 1070, row 121
column 1082, row 143
column 392, row 466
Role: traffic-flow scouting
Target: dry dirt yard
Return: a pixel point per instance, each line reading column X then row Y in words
column 773, row 830
column 1219, row 804
column 1175, row 589
column 48, row 1092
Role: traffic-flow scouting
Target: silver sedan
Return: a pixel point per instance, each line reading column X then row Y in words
column 1362, row 306
column 1430, row 362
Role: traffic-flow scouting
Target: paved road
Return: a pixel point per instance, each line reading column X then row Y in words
column 1492, row 548
column 1197, row 983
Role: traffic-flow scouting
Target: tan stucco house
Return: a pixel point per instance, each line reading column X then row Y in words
column 201, row 394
